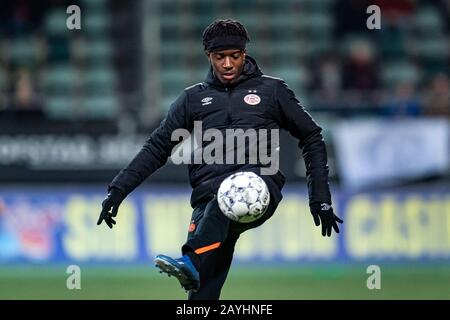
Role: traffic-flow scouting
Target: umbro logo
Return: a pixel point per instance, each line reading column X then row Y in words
column 206, row 101
column 325, row 206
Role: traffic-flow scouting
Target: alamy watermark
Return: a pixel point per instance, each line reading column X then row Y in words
column 229, row 146
column 374, row 20
column 74, row 279
column 74, row 20
column 374, row 280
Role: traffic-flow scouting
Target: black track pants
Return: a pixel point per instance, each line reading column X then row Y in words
column 213, row 237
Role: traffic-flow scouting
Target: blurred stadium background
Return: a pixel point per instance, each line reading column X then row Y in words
column 76, row 105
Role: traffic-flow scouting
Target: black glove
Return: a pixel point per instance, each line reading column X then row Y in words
column 323, row 213
column 110, row 206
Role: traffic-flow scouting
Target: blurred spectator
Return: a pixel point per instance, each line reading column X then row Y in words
column 437, row 97
column 327, row 78
column 24, row 97
column 25, row 104
column 360, row 71
column 403, row 102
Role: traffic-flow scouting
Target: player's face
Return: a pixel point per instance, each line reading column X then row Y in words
column 227, row 64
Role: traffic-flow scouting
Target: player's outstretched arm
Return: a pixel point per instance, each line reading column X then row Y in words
column 301, row 125
column 152, row 156
column 294, row 118
column 156, row 150
column 110, row 207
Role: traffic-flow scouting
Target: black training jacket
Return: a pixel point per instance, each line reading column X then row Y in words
column 217, row 106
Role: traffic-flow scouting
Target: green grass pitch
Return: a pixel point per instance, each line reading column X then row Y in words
column 246, row 282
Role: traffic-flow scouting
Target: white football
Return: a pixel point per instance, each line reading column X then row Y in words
column 243, row 197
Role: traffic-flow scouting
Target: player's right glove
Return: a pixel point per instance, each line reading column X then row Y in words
column 323, row 214
column 110, row 206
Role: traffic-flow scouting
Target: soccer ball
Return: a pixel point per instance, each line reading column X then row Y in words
column 243, row 197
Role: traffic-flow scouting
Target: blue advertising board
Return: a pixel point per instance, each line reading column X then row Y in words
column 58, row 224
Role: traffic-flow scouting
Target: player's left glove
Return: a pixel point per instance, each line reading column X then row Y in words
column 110, row 206
column 323, row 214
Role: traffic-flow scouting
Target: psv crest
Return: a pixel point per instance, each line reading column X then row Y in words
column 252, row 99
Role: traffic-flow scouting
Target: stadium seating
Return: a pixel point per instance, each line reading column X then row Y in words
column 80, row 66
column 60, row 79
column 24, row 51
column 280, row 39
column 287, row 39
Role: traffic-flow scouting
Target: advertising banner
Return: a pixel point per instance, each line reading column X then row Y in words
column 47, row 224
column 378, row 152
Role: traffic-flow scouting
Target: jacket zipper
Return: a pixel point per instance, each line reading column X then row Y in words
column 229, row 120
column 229, row 105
